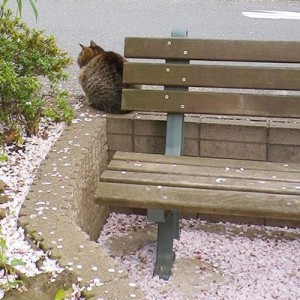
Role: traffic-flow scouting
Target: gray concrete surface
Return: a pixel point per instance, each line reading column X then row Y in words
column 109, row 21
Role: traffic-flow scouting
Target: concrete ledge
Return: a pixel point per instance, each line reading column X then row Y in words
column 60, row 215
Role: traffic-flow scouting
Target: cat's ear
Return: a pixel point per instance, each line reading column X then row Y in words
column 93, row 44
column 83, row 47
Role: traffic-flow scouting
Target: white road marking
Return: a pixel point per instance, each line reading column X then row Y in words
column 272, row 14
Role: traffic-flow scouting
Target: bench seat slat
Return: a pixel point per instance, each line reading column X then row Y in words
column 207, row 49
column 205, row 201
column 261, row 105
column 203, row 161
column 202, row 182
column 224, row 171
column 213, row 75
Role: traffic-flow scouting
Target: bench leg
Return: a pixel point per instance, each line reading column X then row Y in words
column 167, row 231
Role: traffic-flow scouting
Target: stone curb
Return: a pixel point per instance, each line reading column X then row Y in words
column 60, row 216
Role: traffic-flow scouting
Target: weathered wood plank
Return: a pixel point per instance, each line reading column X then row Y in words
column 208, row 49
column 213, row 75
column 247, row 104
column 207, row 162
column 210, row 171
column 202, row 182
column 225, row 172
column 204, row 201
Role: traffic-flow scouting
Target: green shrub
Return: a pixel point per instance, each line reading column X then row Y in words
column 31, row 67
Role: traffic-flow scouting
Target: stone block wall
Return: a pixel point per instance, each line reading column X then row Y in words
column 229, row 138
column 260, row 139
column 284, row 141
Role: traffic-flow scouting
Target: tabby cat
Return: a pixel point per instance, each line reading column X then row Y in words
column 100, row 77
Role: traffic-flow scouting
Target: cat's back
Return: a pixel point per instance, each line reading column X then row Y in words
column 100, row 76
column 100, row 65
column 92, row 69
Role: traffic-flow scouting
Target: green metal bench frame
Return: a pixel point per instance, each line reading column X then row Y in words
column 168, row 221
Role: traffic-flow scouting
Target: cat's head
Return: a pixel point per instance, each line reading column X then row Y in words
column 88, row 53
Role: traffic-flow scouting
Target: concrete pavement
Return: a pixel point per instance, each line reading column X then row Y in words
column 109, row 22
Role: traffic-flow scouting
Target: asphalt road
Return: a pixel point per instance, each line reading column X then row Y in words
column 109, row 21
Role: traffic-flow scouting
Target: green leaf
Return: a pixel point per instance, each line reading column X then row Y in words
column 34, row 8
column 3, row 245
column 15, row 283
column 61, row 294
column 3, row 158
column 17, row 262
column 19, row 6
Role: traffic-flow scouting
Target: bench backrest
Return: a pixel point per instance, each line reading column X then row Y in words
column 224, row 77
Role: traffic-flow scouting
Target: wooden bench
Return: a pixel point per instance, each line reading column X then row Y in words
column 245, row 78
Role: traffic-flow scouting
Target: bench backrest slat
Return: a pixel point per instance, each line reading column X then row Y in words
column 212, row 103
column 204, row 49
column 216, row 75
